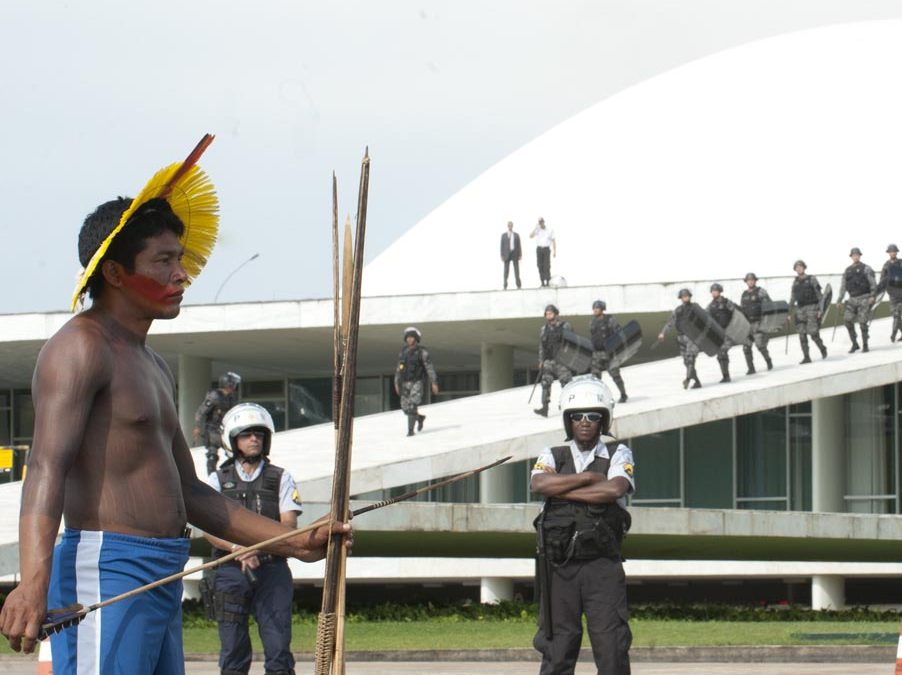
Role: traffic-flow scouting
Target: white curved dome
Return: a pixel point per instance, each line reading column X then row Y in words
column 746, row 160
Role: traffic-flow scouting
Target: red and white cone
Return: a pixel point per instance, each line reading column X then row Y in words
column 45, row 664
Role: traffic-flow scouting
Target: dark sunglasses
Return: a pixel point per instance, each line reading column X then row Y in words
column 580, row 416
column 252, row 432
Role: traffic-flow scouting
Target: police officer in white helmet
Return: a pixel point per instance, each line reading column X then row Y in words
column 579, row 533
column 255, row 583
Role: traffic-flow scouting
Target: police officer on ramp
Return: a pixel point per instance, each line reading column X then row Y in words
column 255, row 582
column 805, row 296
column 601, row 327
column 721, row 310
column 858, row 280
column 579, row 534
column 208, row 418
column 688, row 349
column 891, row 282
column 414, row 369
column 551, row 336
column 750, row 302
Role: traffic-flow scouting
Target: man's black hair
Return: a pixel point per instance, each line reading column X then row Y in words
column 150, row 220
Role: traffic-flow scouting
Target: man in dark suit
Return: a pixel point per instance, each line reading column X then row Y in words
column 511, row 252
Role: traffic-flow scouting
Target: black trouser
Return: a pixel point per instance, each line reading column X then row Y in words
column 596, row 588
column 543, row 260
column 270, row 599
column 507, row 264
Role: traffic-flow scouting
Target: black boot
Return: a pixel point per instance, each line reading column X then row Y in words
column 411, row 420
column 770, row 364
column 724, row 370
column 803, row 341
column 750, row 363
column 820, row 345
column 212, row 460
column 420, row 420
column 864, row 338
column 694, row 376
column 851, row 328
column 622, row 387
column 546, row 398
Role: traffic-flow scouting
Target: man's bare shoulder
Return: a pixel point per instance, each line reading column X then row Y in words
column 82, row 343
column 162, row 365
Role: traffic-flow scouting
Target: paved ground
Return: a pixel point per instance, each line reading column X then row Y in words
column 28, row 667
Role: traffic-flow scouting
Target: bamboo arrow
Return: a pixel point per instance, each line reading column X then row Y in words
column 58, row 619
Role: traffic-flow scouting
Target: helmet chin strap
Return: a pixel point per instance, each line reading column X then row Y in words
column 251, row 460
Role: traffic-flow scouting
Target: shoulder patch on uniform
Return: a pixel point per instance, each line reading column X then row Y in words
column 628, row 468
column 296, row 497
column 539, row 466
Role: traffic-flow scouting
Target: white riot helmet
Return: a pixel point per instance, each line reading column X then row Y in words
column 586, row 393
column 242, row 417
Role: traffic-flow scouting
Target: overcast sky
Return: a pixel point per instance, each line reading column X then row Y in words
column 98, row 95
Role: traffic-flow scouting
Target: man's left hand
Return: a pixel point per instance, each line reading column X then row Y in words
column 435, row 389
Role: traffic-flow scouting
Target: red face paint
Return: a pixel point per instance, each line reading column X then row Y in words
column 161, row 294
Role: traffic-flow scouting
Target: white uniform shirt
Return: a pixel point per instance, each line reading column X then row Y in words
column 289, row 500
column 621, row 463
column 544, row 236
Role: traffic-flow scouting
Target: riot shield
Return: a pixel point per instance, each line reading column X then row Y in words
column 703, row 330
column 623, row 345
column 738, row 329
column 773, row 316
column 575, row 352
column 877, row 301
column 826, row 302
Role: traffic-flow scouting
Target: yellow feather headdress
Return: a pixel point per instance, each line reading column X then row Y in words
column 192, row 197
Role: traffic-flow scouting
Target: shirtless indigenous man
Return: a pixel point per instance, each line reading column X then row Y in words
column 109, row 456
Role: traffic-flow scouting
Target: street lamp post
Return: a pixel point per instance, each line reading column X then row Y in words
column 232, row 273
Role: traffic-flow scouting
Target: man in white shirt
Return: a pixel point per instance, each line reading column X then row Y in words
column 579, row 531
column 546, row 248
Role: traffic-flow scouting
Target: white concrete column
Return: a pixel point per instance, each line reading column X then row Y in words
column 194, row 382
column 828, row 462
column 493, row 590
column 496, row 367
column 828, row 591
column 496, row 372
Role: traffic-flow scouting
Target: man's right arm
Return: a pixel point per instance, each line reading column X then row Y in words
column 71, row 369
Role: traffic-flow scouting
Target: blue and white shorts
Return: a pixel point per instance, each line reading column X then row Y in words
column 139, row 636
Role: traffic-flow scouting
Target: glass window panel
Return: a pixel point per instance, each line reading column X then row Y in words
column 262, row 389
column 800, row 408
column 23, row 416
column 657, row 466
column 5, row 435
column 800, row 461
column 368, row 395
column 708, row 451
column 761, row 454
column 870, row 458
column 309, row 401
column 4, row 399
column 766, row 505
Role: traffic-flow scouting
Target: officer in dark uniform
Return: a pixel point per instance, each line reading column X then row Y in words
column 858, row 280
column 601, row 327
column 579, row 533
column 255, row 582
column 688, row 349
column 750, row 302
column 551, row 337
column 414, row 370
column 891, row 282
column 806, row 296
column 721, row 310
column 208, row 418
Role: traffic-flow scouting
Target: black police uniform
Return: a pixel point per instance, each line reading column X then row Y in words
column 583, row 573
column 267, row 591
column 208, row 419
